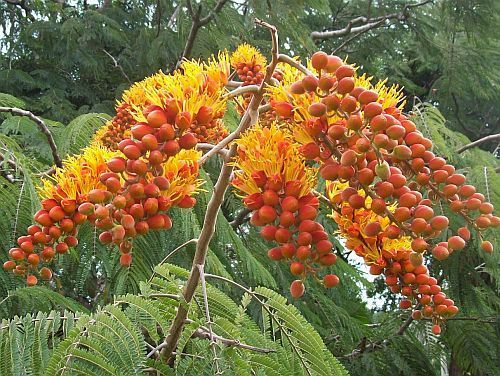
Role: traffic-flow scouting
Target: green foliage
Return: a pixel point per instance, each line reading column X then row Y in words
column 78, row 133
column 112, row 341
column 30, row 300
column 57, row 64
column 26, row 342
column 61, row 61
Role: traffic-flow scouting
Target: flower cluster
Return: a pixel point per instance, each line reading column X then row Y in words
column 277, row 186
column 249, row 64
column 387, row 250
column 138, row 166
column 195, row 91
column 358, row 135
column 115, row 129
column 383, row 179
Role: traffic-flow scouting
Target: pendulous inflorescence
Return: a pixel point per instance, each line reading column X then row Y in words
column 324, row 120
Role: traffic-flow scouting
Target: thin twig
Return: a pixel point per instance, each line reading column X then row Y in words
column 478, row 319
column 174, row 15
column 368, row 23
column 42, row 126
column 185, row 244
column 380, row 343
column 118, row 65
column 478, row 142
column 197, row 23
column 213, row 344
column 202, row 333
column 199, row 333
column 240, row 218
column 164, row 295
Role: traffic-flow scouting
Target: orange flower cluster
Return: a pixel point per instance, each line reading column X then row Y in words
column 115, row 129
column 249, row 64
column 138, row 166
column 195, row 90
column 382, row 177
column 358, row 134
column 277, row 186
column 386, row 250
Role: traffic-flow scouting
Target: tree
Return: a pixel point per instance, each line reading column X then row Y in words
column 144, row 306
column 68, row 58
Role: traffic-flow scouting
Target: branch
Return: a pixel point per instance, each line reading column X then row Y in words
column 294, row 63
column 207, row 147
column 477, row 142
column 241, row 90
column 42, row 126
column 5, row 173
column 12, row 164
column 349, row 40
column 197, row 24
column 368, row 23
column 203, row 333
column 233, row 84
column 117, row 65
column 213, row 12
column 240, row 218
column 174, row 15
column 49, row 172
column 158, row 18
column 249, row 118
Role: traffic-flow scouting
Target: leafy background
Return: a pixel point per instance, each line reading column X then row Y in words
column 57, row 59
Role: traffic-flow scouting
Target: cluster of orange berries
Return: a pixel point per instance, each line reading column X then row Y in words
column 387, row 253
column 139, row 165
column 250, row 73
column 249, row 65
column 133, row 203
column 278, row 190
column 117, row 127
column 55, row 233
column 289, row 220
column 388, row 181
column 208, row 126
column 359, row 139
column 135, row 198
